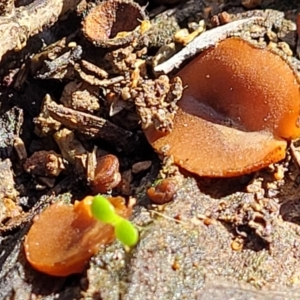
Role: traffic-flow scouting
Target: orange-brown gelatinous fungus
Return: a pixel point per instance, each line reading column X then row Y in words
column 213, row 150
column 253, row 87
column 64, row 237
column 107, row 175
column 239, row 105
column 163, row 192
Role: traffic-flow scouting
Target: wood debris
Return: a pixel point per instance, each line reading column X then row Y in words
column 18, row 24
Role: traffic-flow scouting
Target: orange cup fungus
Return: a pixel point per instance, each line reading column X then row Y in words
column 64, row 237
column 240, row 106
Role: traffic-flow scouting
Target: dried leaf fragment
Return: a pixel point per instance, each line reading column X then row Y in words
column 8, row 193
column 72, row 150
column 25, row 21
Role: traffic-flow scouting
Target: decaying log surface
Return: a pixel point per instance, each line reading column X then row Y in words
column 18, row 24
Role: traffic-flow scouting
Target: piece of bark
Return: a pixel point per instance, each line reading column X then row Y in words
column 93, row 126
column 8, row 194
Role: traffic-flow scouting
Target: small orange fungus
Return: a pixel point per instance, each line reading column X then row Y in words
column 114, row 22
column 240, row 106
column 64, row 237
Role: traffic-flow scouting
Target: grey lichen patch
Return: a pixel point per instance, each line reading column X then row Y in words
column 10, row 125
column 163, row 27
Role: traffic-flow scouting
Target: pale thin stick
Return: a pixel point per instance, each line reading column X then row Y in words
column 205, row 40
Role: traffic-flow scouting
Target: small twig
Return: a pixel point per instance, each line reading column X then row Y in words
column 101, row 73
column 167, row 217
column 202, row 42
column 93, row 80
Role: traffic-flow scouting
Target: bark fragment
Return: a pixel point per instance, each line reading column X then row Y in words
column 17, row 27
column 93, row 126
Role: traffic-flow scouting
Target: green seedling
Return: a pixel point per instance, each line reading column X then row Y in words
column 104, row 211
column 126, row 232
